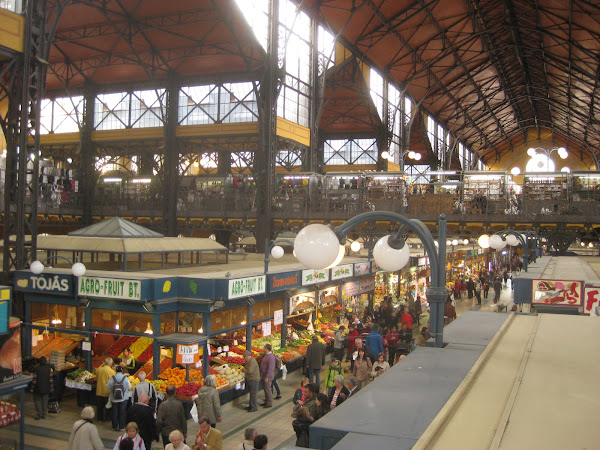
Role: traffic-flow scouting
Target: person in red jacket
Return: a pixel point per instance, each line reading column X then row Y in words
column 352, row 335
column 407, row 319
column 392, row 339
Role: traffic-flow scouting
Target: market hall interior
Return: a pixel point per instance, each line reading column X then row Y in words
column 182, row 181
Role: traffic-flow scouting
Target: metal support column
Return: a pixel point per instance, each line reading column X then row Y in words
column 89, row 175
column 311, row 161
column 265, row 157
column 22, row 143
column 171, row 160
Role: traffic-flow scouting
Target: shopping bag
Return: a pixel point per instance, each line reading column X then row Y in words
column 194, row 413
column 53, row 407
column 108, row 404
column 283, row 372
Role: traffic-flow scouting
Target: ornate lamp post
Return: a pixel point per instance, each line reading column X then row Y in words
column 276, row 251
column 319, row 246
column 500, row 239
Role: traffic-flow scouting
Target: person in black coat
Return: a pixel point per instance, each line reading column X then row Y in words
column 301, row 426
column 41, row 386
column 143, row 416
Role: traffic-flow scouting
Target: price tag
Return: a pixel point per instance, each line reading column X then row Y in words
column 278, row 317
column 235, row 343
column 86, row 346
column 187, row 359
column 238, row 386
column 266, row 329
column 226, row 348
column 199, row 364
column 219, row 349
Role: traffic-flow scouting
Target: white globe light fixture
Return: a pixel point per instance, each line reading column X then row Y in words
column 455, row 242
column 531, row 152
column 418, row 157
column 78, row 269
column 484, row 241
column 411, row 154
column 388, row 258
column 515, row 171
column 385, row 155
column 339, row 257
column 563, row 153
column 448, row 243
column 512, row 240
column 566, row 169
column 277, row 252
column 316, row 246
column 36, row 267
column 497, row 242
column 355, row 246
column 466, row 242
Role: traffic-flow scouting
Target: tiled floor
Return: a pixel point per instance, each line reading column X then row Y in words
column 275, row 422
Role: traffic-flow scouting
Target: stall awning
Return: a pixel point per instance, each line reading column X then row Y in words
column 173, row 339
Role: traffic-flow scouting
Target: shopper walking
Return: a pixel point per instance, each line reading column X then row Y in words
column 497, row 289
column 362, row 369
column 267, row 368
column 119, row 388
column 375, row 342
column 485, row 287
column 392, row 339
column 478, row 291
column 338, row 343
column 131, row 432
column 353, row 334
column 277, row 374
column 252, row 375
column 315, row 360
column 470, row 288
column 42, row 386
column 171, row 416
column 301, row 425
column 143, row 415
column 339, row 392
column 335, row 368
column 143, row 387
column 208, row 402
column 84, row 434
column 208, row 437
column 103, row 374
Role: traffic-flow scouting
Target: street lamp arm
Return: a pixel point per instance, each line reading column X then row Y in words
column 415, row 225
column 58, row 256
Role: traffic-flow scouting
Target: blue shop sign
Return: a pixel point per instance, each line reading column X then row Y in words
column 285, row 280
column 47, row 283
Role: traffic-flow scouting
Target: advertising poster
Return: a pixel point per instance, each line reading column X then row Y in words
column 557, row 292
column 10, row 353
column 591, row 301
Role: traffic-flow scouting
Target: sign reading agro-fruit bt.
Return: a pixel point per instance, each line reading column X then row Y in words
column 242, row 287
column 110, row 288
column 311, row 276
column 557, row 292
column 187, row 354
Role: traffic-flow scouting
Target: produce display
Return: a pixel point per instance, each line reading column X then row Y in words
column 140, row 346
column 230, row 374
column 174, row 376
column 160, row 385
column 80, row 376
column 58, row 344
column 146, row 355
column 134, row 381
column 121, row 344
column 9, row 413
column 188, row 390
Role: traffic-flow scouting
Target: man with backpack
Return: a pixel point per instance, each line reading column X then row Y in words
column 118, row 386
